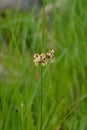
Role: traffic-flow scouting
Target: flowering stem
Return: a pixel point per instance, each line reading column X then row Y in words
column 42, row 47
column 41, row 97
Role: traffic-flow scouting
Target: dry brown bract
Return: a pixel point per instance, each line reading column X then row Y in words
column 43, row 58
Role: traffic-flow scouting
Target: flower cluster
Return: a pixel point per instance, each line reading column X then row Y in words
column 43, row 58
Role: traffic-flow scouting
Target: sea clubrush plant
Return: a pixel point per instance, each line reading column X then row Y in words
column 42, row 60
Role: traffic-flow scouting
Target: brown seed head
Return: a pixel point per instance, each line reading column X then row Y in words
column 43, row 58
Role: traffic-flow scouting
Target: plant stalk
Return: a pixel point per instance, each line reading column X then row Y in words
column 41, row 98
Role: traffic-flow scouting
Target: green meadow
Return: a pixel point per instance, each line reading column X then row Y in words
column 63, row 79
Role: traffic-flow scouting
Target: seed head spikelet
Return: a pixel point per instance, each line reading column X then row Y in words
column 43, row 58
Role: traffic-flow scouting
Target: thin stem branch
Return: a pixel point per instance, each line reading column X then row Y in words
column 22, row 114
column 43, row 27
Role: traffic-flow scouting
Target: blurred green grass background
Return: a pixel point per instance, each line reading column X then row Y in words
column 64, row 80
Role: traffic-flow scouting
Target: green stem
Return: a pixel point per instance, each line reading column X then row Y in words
column 42, row 47
column 41, row 97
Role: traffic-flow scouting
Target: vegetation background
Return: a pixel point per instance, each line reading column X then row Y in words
column 64, row 79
